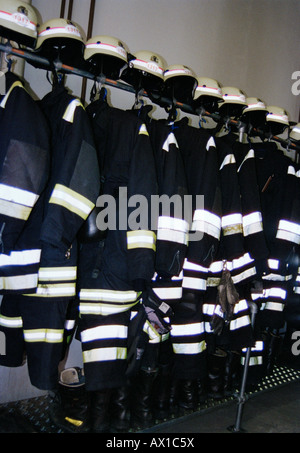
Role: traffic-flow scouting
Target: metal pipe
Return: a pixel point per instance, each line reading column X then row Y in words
column 89, row 34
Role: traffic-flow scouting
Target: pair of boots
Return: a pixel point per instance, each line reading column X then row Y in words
column 223, row 373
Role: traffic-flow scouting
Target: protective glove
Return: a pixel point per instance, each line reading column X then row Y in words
column 156, row 311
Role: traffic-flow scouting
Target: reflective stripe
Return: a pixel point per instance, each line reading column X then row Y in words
column 141, row 239
column 188, row 265
column 104, row 332
column 244, row 275
column 237, row 323
column 17, row 282
column 104, row 354
column 168, row 292
column 189, row 348
column 118, row 50
column 154, row 336
column 194, row 283
column 14, row 85
column 55, row 290
column 170, row 140
column 71, row 200
column 179, row 330
column 14, row 322
column 20, row 258
column 70, row 110
column 44, row 335
column 14, row 210
column 103, row 309
column 17, row 195
column 172, row 236
column 232, row 224
column 109, row 295
column 275, row 292
column 274, row 306
column 249, row 155
column 252, row 223
column 19, row 19
column 289, row 231
column 143, row 130
column 229, row 159
column 57, row 273
column 273, row 264
column 210, row 143
column 69, row 324
column 172, row 229
column 109, row 301
column 206, row 222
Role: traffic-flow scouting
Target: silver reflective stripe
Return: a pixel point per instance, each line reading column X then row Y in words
column 22, row 257
column 170, row 140
column 252, row 223
column 210, row 143
column 55, row 290
column 168, row 292
column 104, row 354
column 12, row 322
column 243, row 321
column 249, row 155
column 194, row 283
column 43, row 335
column 274, row 306
column 18, row 282
column 289, row 231
column 104, row 332
column 206, row 222
column 70, row 110
column 229, row 159
column 172, row 229
column 4, row 100
column 179, row 330
column 57, row 273
column 189, row 348
column 17, row 195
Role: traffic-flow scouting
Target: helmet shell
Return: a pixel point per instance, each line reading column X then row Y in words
column 18, row 22
column 180, row 83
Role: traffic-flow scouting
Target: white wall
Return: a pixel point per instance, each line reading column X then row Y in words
column 250, row 44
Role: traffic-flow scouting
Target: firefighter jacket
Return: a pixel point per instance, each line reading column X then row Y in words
column 128, row 182
column 24, row 172
column 71, row 193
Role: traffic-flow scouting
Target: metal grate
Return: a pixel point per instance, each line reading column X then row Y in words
column 35, row 411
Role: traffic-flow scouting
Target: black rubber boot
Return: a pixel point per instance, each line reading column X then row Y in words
column 272, row 345
column 69, row 404
column 120, row 410
column 216, row 371
column 232, row 372
column 187, row 395
column 141, row 399
column 162, row 393
column 100, row 401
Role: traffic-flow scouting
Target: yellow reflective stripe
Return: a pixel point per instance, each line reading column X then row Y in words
column 143, row 130
column 14, row 85
column 103, row 309
column 14, row 322
column 11, row 209
column 57, row 273
column 44, row 335
column 109, row 295
column 70, row 110
column 71, row 200
column 141, row 239
column 104, row 354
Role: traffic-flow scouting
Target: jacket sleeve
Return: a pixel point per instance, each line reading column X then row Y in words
column 142, row 184
column 25, row 161
column 173, row 226
column 77, row 184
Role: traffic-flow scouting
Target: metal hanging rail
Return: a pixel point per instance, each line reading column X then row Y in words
column 44, row 63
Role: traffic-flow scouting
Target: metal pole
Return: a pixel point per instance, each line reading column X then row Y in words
column 236, row 428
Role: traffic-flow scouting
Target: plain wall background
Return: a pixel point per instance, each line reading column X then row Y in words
column 249, row 44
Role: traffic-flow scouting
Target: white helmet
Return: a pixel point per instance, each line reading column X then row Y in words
column 180, row 82
column 207, row 87
column 232, row 95
column 295, row 133
column 146, row 70
column 254, row 105
column 106, row 55
column 61, row 38
column 18, row 22
column 277, row 115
